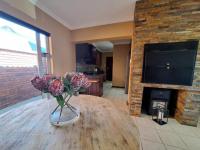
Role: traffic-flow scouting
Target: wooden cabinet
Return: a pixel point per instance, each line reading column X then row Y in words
column 84, row 54
column 96, row 87
column 87, row 54
column 98, row 58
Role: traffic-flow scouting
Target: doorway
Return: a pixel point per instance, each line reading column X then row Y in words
column 109, row 68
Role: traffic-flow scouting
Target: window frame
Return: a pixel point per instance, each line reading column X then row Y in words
column 22, row 23
column 38, row 31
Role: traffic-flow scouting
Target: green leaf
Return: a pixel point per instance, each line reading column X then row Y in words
column 68, row 86
column 60, row 101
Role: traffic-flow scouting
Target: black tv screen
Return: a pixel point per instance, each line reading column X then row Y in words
column 170, row 63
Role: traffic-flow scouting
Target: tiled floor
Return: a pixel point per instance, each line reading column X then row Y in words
column 172, row 136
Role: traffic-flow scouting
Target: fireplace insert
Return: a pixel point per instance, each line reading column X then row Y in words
column 170, row 63
column 159, row 97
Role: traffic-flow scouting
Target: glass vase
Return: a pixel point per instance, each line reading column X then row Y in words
column 64, row 113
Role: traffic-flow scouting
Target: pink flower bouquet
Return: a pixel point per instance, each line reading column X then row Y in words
column 62, row 88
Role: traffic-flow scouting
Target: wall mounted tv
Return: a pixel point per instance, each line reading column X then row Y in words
column 170, row 63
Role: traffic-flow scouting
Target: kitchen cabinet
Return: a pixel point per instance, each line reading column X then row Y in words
column 87, row 54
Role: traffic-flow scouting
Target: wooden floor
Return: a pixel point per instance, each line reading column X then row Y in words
column 101, row 126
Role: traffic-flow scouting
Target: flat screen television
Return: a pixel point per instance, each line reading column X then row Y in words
column 170, row 63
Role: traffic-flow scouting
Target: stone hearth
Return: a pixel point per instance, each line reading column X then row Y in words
column 165, row 21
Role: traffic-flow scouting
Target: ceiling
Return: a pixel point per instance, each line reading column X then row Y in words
column 104, row 46
column 120, row 42
column 77, row 14
column 107, row 46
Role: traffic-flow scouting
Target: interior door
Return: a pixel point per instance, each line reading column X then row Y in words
column 109, row 68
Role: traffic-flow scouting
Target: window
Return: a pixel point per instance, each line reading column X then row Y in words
column 19, row 45
column 43, row 43
column 24, row 53
column 45, row 57
column 16, row 37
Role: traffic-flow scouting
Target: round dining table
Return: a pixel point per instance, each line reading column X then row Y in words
column 101, row 126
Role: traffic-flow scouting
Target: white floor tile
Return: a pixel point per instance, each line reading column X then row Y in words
column 166, row 128
column 148, row 145
column 172, row 139
column 197, row 132
column 145, row 122
column 185, row 130
column 173, row 148
column 191, row 142
column 149, row 134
